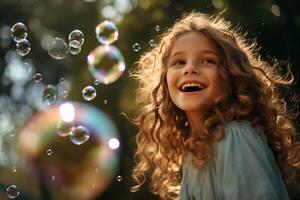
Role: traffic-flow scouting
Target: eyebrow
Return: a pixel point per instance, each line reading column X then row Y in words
column 204, row 51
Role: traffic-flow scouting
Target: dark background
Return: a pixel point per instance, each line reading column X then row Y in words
column 275, row 25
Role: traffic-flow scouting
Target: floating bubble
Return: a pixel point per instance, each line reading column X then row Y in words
column 18, row 32
column 106, row 64
column 64, row 128
column 14, row 169
column 49, row 152
column 96, row 82
column 65, row 94
column 53, row 178
column 157, row 28
column 105, row 101
column 49, row 95
column 107, row 32
column 12, row 192
column 79, row 135
column 152, row 43
column 89, row 93
column 119, row 178
column 73, row 165
column 97, row 170
column 78, row 36
column 23, row 47
column 38, row 77
column 74, row 47
column 57, row 48
column 136, row 47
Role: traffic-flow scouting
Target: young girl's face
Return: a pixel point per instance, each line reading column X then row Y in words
column 192, row 75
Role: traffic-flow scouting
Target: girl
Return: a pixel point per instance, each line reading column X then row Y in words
column 212, row 125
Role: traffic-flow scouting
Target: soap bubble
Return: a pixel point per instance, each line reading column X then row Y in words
column 64, row 128
column 57, row 48
column 38, row 77
column 74, row 47
column 73, row 166
column 157, row 28
column 136, row 47
column 106, row 64
column 96, row 82
column 89, row 93
column 18, row 32
column 12, row 192
column 152, row 43
column 107, row 32
column 49, row 95
column 119, row 178
column 78, row 36
column 23, row 47
column 79, row 135
column 49, row 152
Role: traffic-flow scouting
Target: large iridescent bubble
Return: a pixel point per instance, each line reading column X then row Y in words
column 72, row 171
column 106, row 63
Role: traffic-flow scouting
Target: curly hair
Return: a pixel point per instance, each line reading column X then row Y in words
column 253, row 93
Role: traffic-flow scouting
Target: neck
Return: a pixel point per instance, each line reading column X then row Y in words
column 196, row 122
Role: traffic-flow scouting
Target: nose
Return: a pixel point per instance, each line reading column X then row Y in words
column 190, row 68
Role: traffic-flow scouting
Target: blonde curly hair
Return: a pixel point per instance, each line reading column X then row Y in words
column 252, row 94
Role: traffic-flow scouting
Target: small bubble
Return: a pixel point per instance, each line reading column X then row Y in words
column 23, row 47
column 65, row 94
column 157, row 28
column 12, row 192
column 96, row 82
column 57, row 48
column 74, row 47
column 152, row 43
column 79, row 135
column 53, row 178
column 97, row 170
column 64, row 128
column 89, row 93
column 49, row 152
column 38, row 77
column 105, row 101
column 107, row 32
column 136, row 47
column 18, row 32
column 14, row 169
column 78, row 36
column 49, row 95
column 119, row 178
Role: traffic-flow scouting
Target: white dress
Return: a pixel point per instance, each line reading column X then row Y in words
column 243, row 168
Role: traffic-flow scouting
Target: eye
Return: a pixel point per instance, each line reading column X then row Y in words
column 209, row 61
column 178, row 62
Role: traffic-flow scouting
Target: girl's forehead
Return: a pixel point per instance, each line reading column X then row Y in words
column 193, row 40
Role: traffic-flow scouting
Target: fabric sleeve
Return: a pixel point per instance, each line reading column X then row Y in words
column 245, row 166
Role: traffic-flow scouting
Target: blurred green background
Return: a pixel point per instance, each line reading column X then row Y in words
column 275, row 25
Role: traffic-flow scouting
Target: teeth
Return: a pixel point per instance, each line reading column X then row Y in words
column 184, row 86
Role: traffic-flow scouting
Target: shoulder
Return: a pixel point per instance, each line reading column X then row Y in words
column 242, row 128
column 242, row 134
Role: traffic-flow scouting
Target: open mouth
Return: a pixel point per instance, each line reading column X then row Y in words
column 192, row 88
